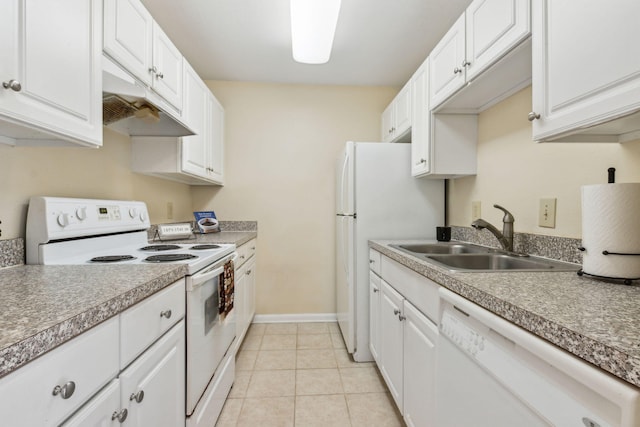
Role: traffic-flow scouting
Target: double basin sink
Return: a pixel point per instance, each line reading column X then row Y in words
column 458, row 256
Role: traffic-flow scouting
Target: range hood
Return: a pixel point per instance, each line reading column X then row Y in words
column 131, row 108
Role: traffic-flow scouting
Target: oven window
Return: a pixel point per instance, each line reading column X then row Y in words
column 211, row 315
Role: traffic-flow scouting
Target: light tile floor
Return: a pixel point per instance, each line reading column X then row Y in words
column 300, row 374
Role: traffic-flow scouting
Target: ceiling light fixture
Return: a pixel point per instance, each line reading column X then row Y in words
column 313, row 26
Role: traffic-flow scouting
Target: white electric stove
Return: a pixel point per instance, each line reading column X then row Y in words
column 91, row 232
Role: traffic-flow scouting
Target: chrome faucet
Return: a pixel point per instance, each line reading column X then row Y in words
column 506, row 237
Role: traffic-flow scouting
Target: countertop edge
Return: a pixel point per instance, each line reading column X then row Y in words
column 610, row 359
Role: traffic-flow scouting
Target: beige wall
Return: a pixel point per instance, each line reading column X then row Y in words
column 81, row 172
column 281, row 145
column 515, row 172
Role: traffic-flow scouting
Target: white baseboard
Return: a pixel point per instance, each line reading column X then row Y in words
column 295, row 318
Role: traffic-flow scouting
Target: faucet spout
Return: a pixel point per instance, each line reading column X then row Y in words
column 506, row 236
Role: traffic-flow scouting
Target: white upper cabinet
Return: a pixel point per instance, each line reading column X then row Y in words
column 442, row 145
column 447, row 73
column 134, row 40
column 51, row 72
column 396, row 118
column 586, row 71
column 484, row 46
column 196, row 159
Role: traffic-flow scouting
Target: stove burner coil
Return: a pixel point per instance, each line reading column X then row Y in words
column 112, row 258
column 170, row 257
column 203, row 247
column 158, row 248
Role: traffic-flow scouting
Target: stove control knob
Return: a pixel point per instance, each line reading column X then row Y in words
column 81, row 213
column 63, row 219
column 143, row 216
column 133, row 212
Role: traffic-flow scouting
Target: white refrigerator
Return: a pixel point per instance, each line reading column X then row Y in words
column 376, row 198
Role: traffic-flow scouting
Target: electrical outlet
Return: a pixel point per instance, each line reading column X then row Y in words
column 475, row 210
column 547, row 213
column 169, row 210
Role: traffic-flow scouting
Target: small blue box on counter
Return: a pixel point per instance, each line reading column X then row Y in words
column 207, row 222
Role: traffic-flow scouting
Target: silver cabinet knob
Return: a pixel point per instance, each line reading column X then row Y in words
column 120, row 416
column 396, row 311
column 166, row 314
column 457, row 70
column 533, row 116
column 376, row 290
column 65, row 391
column 421, row 162
column 159, row 75
column 401, row 318
column 371, row 261
column 153, row 70
column 248, row 272
column 138, row 397
column 465, row 63
column 12, row 84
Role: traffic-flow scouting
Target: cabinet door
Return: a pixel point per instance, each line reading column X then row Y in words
column 390, row 350
column 167, row 68
column 585, row 71
column 153, row 387
column 447, row 59
column 216, row 142
column 402, row 115
column 250, row 296
column 421, row 121
column 128, row 34
column 493, row 27
column 239, row 305
column 420, row 337
column 101, row 411
column 194, row 112
column 386, row 132
column 50, row 61
column 374, row 315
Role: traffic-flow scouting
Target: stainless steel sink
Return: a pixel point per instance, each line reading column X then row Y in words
column 499, row 262
column 442, row 248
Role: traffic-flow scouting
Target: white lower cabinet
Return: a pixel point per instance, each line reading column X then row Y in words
column 245, row 290
column 404, row 338
column 419, row 364
column 83, row 384
column 153, row 387
column 391, row 341
column 374, row 315
column 48, row 390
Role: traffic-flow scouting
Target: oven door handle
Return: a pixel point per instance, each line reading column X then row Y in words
column 209, row 273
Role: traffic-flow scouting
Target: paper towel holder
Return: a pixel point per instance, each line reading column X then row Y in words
column 625, row 281
column 606, row 252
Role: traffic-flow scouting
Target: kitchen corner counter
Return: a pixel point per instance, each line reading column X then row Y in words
column 594, row 320
column 239, row 238
column 44, row 306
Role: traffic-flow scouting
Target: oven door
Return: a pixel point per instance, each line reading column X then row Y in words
column 209, row 334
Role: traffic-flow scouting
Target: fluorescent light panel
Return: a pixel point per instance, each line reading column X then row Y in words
column 313, row 26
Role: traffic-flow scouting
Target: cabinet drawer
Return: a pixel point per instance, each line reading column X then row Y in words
column 374, row 261
column 245, row 252
column 87, row 362
column 420, row 291
column 145, row 322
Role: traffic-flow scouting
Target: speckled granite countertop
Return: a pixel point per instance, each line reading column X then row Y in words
column 596, row 321
column 44, row 306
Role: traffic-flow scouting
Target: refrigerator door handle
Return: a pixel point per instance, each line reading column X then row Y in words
column 345, row 240
column 342, row 181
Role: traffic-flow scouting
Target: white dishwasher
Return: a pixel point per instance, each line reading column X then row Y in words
column 495, row 374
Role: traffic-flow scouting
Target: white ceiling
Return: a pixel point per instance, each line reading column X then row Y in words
column 377, row 42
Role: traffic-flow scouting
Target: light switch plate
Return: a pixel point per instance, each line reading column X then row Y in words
column 476, row 208
column 547, row 213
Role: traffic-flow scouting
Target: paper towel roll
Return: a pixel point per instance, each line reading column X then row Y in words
column 611, row 222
